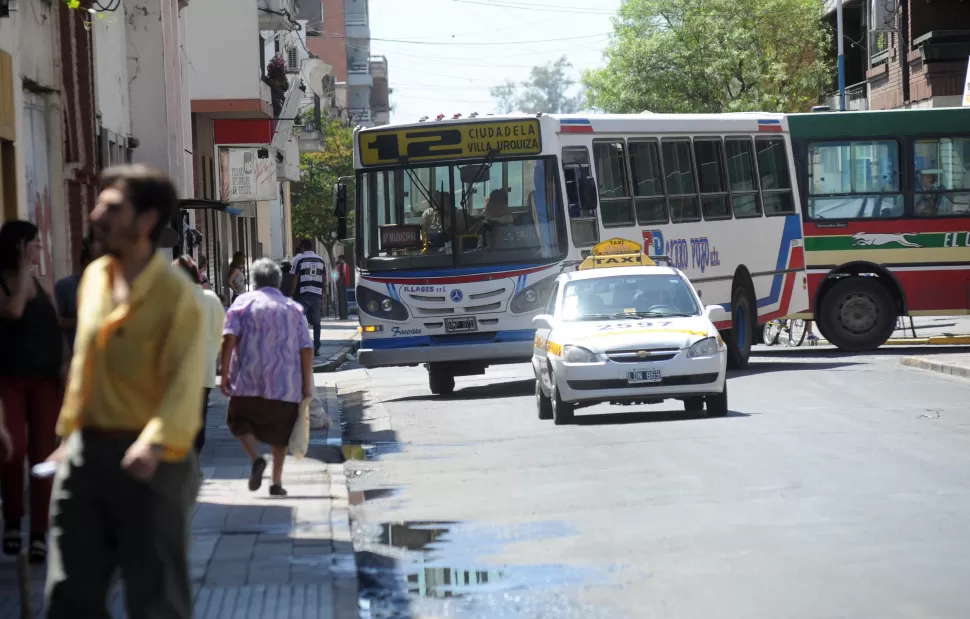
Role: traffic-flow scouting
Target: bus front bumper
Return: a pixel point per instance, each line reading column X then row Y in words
column 492, row 353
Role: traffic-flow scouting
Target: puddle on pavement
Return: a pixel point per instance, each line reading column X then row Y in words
column 436, row 570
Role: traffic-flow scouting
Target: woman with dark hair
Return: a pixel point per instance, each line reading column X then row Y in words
column 204, row 272
column 213, row 320
column 31, row 367
column 237, row 276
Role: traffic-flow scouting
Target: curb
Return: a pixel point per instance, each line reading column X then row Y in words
column 344, row 564
column 334, row 362
column 935, row 340
column 923, row 363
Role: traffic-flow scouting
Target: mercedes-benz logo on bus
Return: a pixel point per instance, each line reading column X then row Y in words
column 456, row 295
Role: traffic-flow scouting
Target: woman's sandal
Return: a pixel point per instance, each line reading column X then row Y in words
column 12, row 542
column 38, row 551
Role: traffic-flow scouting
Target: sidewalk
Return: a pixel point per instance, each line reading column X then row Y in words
column 338, row 339
column 256, row 556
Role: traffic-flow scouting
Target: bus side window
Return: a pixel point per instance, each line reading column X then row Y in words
column 776, row 192
column 583, row 224
column 648, row 188
column 854, row 180
column 745, row 199
column 679, row 176
column 611, row 178
column 942, row 185
column 710, row 175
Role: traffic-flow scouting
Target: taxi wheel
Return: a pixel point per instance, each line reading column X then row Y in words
column 742, row 333
column 543, row 403
column 562, row 412
column 693, row 405
column 717, row 405
column 441, row 381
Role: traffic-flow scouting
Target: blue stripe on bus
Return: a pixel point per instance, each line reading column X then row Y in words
column 792, row 231
column 574, row 121
column 446, row 272
column 417, row 341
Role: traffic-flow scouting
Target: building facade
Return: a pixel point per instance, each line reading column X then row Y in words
column 903, row 53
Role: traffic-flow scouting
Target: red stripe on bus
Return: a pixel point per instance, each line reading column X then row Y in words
column 576, row 129
column 461, row 279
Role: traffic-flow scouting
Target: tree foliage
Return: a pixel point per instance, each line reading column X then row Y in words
column 546, row 90
column 312, row 207
column 678, row 56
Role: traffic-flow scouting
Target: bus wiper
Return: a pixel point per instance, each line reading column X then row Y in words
column 485, row 165
column 416, row 181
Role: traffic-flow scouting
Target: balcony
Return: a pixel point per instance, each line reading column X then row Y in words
column 358, row 74
column 358, row 26
column 277, row 14
column 856, row 98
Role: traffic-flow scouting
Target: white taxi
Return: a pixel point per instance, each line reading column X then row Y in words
column 624, row 330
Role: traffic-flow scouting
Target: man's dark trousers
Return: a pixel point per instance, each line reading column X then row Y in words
column 313, row 308
column 103, row 520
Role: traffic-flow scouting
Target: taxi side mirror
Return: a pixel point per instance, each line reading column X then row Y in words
column 710, row 310
column 542, row 321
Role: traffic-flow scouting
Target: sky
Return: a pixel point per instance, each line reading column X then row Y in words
column 457, row 50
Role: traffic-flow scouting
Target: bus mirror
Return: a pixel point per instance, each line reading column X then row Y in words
column 478, row 173
column 340, row 201
column 588, row 193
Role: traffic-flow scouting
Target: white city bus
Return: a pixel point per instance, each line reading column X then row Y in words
column 463, row 224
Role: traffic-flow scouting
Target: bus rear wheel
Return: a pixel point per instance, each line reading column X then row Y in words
column 741, row 335
column 440, row 379
column 858, row 314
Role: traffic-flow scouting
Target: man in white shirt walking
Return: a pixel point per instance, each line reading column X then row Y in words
column 309, row 286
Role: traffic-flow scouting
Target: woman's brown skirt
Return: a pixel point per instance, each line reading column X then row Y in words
column 270, row 421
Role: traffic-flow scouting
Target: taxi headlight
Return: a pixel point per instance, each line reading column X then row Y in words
column 704, row 348
column 578, row 354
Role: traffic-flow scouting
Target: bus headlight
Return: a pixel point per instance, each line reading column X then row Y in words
column 380, row 306
column 534, row 297
column 704, row 348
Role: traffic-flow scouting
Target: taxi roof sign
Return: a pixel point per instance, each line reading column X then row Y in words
column 613, row 246
column 616, row 260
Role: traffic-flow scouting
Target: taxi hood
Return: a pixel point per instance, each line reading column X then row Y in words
column 608, row 335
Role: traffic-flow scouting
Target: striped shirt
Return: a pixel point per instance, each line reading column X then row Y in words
column 270, row 330
column 311, row 272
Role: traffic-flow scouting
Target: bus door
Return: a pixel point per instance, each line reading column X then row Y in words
column 580, row 202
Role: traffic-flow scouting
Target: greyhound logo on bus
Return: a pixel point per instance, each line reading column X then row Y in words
column 868, row 239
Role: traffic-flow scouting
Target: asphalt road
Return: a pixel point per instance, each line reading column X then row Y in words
column 837, row 487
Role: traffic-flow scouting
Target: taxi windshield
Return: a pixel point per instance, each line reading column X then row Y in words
column 629, row 296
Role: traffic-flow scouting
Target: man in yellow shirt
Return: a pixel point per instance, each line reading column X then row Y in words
column 127, row 477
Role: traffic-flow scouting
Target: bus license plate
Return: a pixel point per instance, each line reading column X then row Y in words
column 461, row 325
column 644, row 376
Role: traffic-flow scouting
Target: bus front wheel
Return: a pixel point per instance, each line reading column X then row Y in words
column 741, row 335
column 858, row 314
column 440, row 379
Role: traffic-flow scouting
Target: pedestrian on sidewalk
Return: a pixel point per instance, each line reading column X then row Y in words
column 343, row 282
column 32, row 363
column 65, row 290
column 127, row 477
column 204, row 272
column 267, row 370
column 308, row 287
column 237, row 276
column 213, row 321
column 288, row 278
column 6, row 443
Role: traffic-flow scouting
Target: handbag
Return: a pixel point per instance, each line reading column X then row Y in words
column 300, row 436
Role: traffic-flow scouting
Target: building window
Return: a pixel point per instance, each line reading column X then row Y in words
column 854, row 180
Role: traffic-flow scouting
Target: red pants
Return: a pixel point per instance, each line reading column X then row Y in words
column 31, row 407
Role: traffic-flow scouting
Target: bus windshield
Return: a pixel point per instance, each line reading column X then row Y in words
column 425, row 217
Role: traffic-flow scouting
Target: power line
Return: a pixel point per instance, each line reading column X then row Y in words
column 488, row 43
column 539, row 7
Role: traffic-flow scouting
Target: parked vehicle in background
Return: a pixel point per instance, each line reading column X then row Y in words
column 463, row 224
column 886, row 210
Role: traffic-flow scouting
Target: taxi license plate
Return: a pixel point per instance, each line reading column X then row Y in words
column 461, row 325
column 644, row 376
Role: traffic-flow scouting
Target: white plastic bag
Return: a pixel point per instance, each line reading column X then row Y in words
column 300, row 436
column 319, row 419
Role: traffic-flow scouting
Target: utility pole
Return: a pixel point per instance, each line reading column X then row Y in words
column 838, row 19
